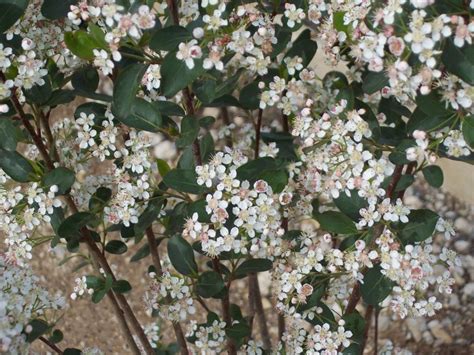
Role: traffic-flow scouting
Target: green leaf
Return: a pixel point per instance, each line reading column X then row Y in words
column 277, row 179
column 175, row 75
column 85, row 79
column 303, row 47
column 376, row 286
column 143, row 115
column 8, row 139
column 57, row 336
column 17, row 167
column 10, row 12
column 183, row 180
column 468, row 130
column 116, row 247
column 141, row 253
column 181, row 255
column 149, row 215
column 206, row 145
column 72, row 351
column 56, row 9
column 121, row 286
column 60, row 97
column 250, row 96
column 459, row 61
column 82, row 44
column 63, row 178
column 351, row 205
column 39, row 94
column 72, row 225
column 404, row 182
column 168, row 38
column 238, row 331
column 189, row 131
column 205, row 90
column 434, row 175
column 251, row 170
column 253, row 266
column 336, row 222
column 39, row 327
column 209, row 284
column 374, row 81
column 100, row 198
column 420, row 226
column 125, row 89
column 169, row 108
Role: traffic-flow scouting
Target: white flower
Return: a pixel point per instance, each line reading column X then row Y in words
column 188, row 52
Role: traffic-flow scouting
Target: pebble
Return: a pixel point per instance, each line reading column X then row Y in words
column 462, row 246
column 416, row 326
column 413, row 202
column 462, row 225
column 468, row 290
column 427, row 337
column 439, row 333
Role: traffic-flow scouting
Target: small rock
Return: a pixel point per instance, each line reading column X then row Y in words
column 462, row 224
column 462, row 246
column 439, row 333
column 384, row 323
column 416, row 326
column 453, row 301
column 468, row 290
column 427, row 337
column 413, row 202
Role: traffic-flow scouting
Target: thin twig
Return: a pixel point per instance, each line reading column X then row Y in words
column 51, row 345
column 258, row 129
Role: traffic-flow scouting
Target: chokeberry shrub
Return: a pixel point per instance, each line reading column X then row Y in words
column 272, row 168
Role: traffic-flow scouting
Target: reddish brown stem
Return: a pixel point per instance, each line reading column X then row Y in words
column 225, row 308
column 51, row 345
column 258, row 129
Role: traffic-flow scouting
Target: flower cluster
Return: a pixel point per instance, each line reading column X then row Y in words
column 22, row 300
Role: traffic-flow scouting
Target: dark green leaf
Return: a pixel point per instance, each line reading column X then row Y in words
column 176, row 75
column 39, row 94
column 351, row 205
column 143, row 115
column 460, row 61
column 336, row 222
column 72, row 225
column 8, row 139
column 125, row 89
column 57, row 336
column 189, row 131
column 253, row 266
column 168, row 38
column 251, row 170
column 238, row 331
column 181, row 255
column 205, row 90
column 468, row 130
column 206, row 145
column 99, row 199
column 183, row 180
column 39, row 327
column 15, row 166
column 250, row 96
column 121, row 286
column 143, row 252
column 374, row 81
column 10, row 12
column 421, row 226
column 149, row 215
column 169, row 108
column 56, row 9
column 85, row 79
column 434, row 175
column 60, row 97
column 209, row 284
column 116, row 247
column 63, row 178
column 376, row 286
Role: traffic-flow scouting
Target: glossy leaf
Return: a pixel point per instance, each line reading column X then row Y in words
column 183, row 180
column 336, row 222
column 8, row 139
column 116, row 247
column 143, row 115
column 125, row 89
column 376, row 286
column 209, row 284
column 168, row 38
column 434, row 175
column 421, row 226
column 10, row 12
column 181, row 255
column 62, row 177
column 253, row 266
column 15, row 166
